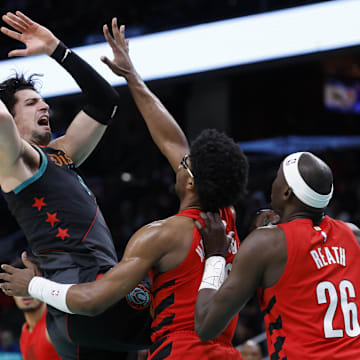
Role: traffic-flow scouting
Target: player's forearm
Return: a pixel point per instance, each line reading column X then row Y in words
column 101, row 100
column 204, row 331
column 84, row 299
column 88, row 299
column 163, row 128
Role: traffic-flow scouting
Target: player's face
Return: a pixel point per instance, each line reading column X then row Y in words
column 27, row 304
column 182, row 175
column 277, row 190
column 31, row 115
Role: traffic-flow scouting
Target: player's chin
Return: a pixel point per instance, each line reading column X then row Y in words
column 43, row 137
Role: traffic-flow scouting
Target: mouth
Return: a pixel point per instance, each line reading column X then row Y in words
column 27, row 301
column 44, row 121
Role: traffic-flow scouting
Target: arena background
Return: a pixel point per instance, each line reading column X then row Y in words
column 301, row 103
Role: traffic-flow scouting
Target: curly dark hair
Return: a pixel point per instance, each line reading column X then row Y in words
column 9, row 87
column 220, row 168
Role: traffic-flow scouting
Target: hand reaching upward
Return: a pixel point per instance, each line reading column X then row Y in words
column 37, row 38
column 121, row 64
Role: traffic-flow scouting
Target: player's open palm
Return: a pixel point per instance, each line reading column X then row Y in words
column 37, row 38
column 121, row 64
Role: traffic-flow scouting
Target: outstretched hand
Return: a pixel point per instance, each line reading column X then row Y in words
column 16, row 281
column 121, row 64
column 37, row 38
column 216, row 241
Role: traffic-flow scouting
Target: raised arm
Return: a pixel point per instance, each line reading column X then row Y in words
column 12, row 147
column 143, row 252
column 163, row 128
column 100, row 99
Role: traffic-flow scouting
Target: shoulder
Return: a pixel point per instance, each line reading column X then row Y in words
column 158, row 239
column 355, row 230
column 265, row 242
column 160, row 231
column 270, row 234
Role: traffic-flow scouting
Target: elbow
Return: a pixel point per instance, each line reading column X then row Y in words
column 201, row 334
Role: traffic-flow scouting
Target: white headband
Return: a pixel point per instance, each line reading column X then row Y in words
column 303, row 191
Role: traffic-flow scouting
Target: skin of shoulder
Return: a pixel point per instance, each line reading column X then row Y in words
column 355, row 230
column 254, row 265
column 152, row 246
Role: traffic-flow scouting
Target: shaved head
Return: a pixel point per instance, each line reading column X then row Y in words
column 316, row 173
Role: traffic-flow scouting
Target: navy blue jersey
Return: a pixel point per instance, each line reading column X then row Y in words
column 62, row 221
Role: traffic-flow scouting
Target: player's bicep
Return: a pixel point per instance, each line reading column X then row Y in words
column 11, row 145
column 95, row 297
column 81, row 137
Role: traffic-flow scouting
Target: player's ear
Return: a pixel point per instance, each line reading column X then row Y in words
column 190, row 183
column 287, row 193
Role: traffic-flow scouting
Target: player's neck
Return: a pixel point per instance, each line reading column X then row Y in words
column 33, row 317
column 189, row 204
column 315, row 217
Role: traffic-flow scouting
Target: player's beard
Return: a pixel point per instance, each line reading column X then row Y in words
column 42, row 139
column 32, row 308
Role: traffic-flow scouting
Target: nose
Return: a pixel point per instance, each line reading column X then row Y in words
column 44, row 105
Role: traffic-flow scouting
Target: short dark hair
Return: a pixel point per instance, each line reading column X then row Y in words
column 220, row 168
column 18, row 82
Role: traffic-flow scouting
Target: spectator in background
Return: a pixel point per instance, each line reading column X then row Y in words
column 251, row 350
column 35, row 342
column 7, row 343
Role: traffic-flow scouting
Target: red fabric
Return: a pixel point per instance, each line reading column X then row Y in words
column 186, row 345
column 34, row 345
column 295, row 322
column 184, row 283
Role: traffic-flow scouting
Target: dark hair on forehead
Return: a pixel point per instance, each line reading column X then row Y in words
column 220, row 169
column 316, row 173
column 18, row 82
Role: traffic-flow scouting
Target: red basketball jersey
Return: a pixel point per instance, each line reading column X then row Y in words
column 175, row 291
column 312, row 312
column 34, row 345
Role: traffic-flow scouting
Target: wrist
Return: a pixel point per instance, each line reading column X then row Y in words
column 214, row 273
column 52, row 47
column 132, row 77
column 50, row 292
column 60, row 52
column 216, row 253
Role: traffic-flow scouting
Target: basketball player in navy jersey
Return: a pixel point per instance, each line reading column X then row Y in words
column 51, row 202
column 210, row 174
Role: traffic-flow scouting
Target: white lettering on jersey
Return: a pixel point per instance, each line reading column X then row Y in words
column 328, row 255
column 200, row 250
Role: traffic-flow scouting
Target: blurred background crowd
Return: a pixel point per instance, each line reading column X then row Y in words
column 282, row 102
